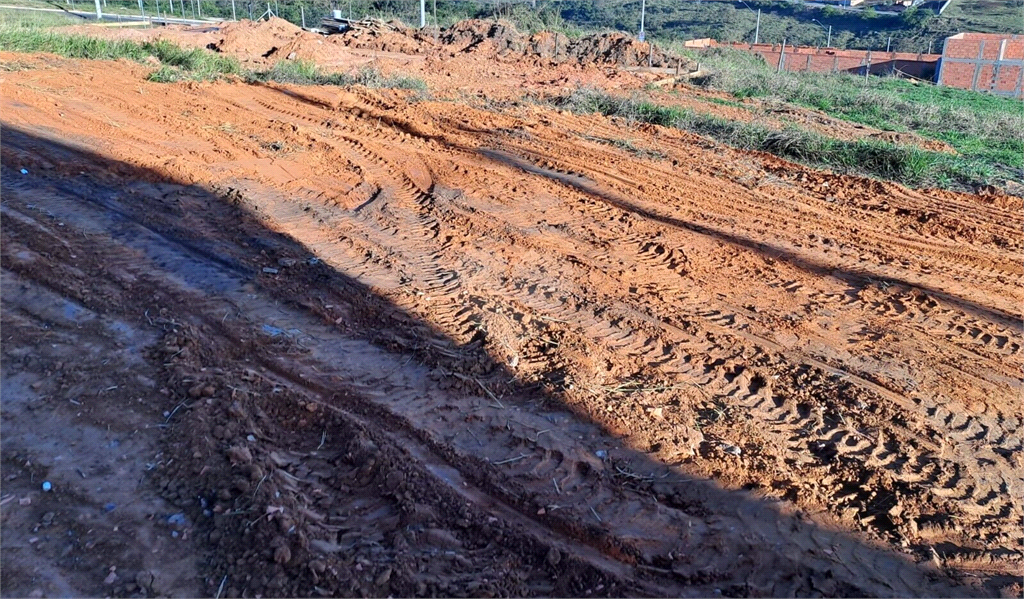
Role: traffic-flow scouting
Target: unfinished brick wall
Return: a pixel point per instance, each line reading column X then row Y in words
column 830, row 60
column 984, row 62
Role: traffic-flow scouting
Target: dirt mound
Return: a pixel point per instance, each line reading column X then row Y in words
column 474, row 35
column 620, row 49
column 604, row 48
column 501, row 39
column 255, row 40
column 392, row 36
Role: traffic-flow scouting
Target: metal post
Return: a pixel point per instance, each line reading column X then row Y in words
column 302, row 11
column 782, row 56
column 270, row 13
column 757, row 28
column 888, row 45
column 99, row 11
column 142, row 10
column 199, row 8
column 423, row 13
column 828, row 44
column 643, row 14
column 277, row 8
column 434, row 2
column 233, row 17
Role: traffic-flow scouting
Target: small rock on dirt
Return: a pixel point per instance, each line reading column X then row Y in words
column 144, row 579
column 240, row 454
column 554, row 557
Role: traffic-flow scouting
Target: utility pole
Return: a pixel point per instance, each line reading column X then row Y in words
column 423, row 13
column 233, row 17
column 888, row 44
column 757, row 28
column 99, row 11
column 643, row 13
column 302, row 11
column 828, row 44
column 782, row 56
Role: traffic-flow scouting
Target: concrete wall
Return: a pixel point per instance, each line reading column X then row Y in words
column 830, row 60
column 983, row 62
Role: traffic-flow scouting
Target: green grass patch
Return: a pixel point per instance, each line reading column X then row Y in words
column 301, row 72
column 905, row 164
column 978, row 126
column 177, row 62
column 12, row 17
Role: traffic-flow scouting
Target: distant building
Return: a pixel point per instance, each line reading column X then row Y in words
column 985, row 62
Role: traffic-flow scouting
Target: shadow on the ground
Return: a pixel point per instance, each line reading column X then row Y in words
column 745, row 546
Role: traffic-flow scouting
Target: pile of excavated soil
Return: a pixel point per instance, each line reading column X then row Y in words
column 503, row 40
column 274, row 39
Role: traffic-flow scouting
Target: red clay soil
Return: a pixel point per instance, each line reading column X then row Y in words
column 492, row 61
column 357, row 342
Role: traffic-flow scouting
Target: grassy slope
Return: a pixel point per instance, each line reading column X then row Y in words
column 984, row 129
column 880, row 159
column 988, row 15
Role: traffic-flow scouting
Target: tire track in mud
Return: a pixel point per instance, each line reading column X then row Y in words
column 619, row 333
column 339, row 363
column 986, row 486
column 543, row 275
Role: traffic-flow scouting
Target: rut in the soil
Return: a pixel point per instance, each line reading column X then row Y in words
column 569, row 499
column 844, row 344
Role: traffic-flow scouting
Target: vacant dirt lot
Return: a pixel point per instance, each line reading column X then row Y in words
column 272, row 340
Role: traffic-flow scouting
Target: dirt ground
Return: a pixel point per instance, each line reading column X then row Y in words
column 481, row 60
column 265, row 340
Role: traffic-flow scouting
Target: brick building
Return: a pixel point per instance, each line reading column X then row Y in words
column 986, row 62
